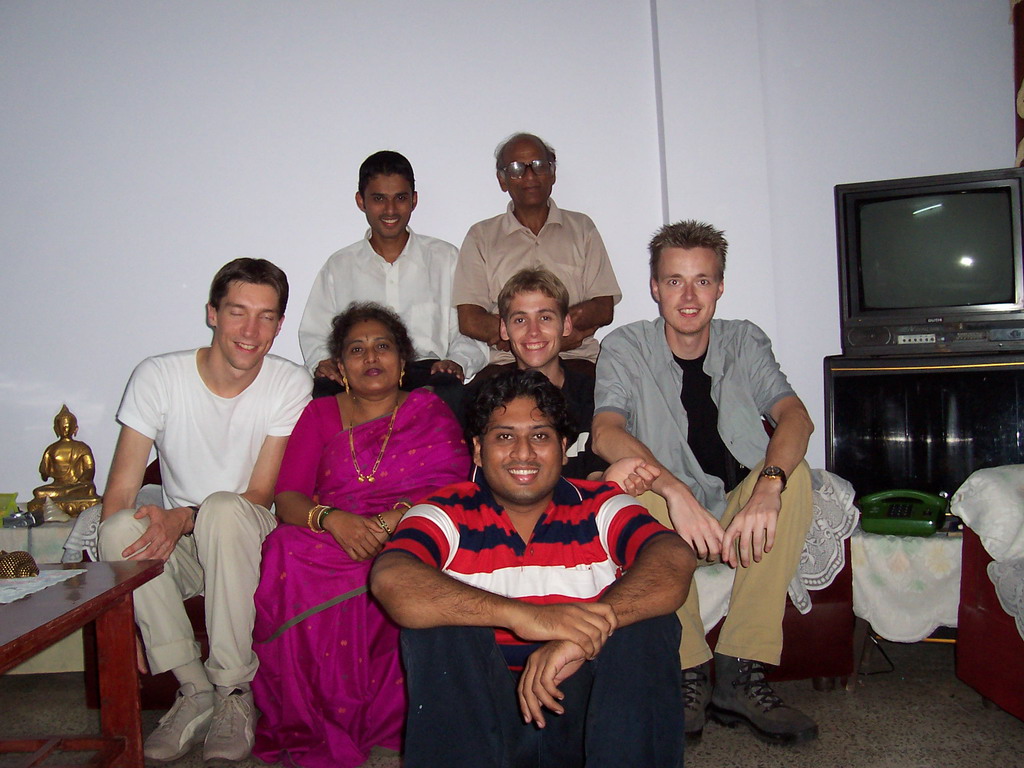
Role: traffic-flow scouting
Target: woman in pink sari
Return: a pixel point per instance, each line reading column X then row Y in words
column 330, row 684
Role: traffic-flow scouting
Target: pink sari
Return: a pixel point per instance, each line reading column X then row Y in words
column 330, row 683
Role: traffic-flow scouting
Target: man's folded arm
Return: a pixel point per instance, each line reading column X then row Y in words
column 656, row 584
column 612, row 441
column 418, row 596
column 477, row 323
column 593, row 313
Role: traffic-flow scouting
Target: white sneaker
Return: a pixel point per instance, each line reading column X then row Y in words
column 184, row 725
column 232, row 731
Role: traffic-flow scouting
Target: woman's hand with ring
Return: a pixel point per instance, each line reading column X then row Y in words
column 359, row 536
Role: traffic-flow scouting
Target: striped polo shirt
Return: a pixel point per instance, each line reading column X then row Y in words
column 588, row 537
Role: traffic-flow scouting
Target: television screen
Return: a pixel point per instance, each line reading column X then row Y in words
column 936, row 250
column 932, row 265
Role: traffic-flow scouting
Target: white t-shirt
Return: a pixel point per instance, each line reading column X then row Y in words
column 418, row 286
column 207, row 443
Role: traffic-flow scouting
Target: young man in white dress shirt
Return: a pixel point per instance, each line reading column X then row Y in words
column 394, row 266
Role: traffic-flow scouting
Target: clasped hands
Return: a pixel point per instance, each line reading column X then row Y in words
column 575, row 633
column 361, row 537
column 449, row 367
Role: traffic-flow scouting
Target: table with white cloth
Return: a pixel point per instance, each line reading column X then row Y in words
column 46, row 544
column 906, row 587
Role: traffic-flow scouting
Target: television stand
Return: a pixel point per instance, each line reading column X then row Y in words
column 923, row 422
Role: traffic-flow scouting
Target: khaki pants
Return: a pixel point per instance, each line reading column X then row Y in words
column 753, row 626
column 221, row 560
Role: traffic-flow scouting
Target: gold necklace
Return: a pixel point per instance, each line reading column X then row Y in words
column 380, row 456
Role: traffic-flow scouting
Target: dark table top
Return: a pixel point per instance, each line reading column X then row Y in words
column 33, row 623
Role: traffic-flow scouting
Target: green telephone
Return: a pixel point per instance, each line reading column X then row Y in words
column 902, row 512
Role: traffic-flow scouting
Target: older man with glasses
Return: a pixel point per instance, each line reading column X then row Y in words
column 534, row 232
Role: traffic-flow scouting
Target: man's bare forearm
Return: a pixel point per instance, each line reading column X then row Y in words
column 115, row 500
column 589, row 315
column 477, row 323
column 612, row 442
column 657, row 584
column 688, row 516
column 127, row 470
column 418, row 596
column 793, row 428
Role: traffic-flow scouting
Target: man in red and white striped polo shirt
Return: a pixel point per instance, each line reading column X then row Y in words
column 538, row 611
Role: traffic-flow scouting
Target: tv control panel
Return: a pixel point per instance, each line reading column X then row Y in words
column 952, row 338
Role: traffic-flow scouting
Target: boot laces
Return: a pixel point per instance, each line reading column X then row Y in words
column 694, row 679
column 751, row 680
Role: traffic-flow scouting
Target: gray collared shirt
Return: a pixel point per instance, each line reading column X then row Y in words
column 637, row 377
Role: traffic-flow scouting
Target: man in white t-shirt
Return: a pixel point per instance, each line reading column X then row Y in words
column 219, row 417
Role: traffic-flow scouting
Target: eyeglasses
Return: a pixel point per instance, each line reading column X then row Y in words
column 516, row 170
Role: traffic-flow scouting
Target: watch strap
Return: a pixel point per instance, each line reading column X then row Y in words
column 775, row 473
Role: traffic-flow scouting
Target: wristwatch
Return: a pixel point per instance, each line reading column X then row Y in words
column 774, row 473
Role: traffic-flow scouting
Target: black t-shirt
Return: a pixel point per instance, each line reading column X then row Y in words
column 578, row 389
column 702, row 417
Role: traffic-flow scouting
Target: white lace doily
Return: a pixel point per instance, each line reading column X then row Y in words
column 15, row 589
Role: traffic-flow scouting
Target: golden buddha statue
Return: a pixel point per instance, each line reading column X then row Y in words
column 70, row 463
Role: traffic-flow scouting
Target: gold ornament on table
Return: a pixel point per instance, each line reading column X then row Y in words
column 71, row 465
column 17, row 565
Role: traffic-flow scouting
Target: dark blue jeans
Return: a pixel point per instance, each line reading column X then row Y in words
column 623, row 709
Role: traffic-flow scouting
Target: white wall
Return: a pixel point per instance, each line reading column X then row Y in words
column 770, row 104
column 145, row 143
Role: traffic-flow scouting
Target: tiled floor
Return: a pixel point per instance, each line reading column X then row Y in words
column 917, row 716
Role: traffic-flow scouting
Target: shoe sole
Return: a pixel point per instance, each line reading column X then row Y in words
column 223, row 759
column 165, row 760
column 732, row 719
column 214, row 761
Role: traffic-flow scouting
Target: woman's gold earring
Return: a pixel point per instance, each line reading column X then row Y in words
column 344, row 381
column 401, row 376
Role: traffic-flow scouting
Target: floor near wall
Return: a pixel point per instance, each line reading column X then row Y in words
column 918, row 715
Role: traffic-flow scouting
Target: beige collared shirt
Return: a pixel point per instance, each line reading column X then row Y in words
column 568, row 244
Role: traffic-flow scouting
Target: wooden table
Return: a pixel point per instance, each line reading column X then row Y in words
column 102, row 594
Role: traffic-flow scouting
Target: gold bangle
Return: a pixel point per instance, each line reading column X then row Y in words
column 316, row 513
column 383, row 524
column 323, row 516
column 405, row 506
